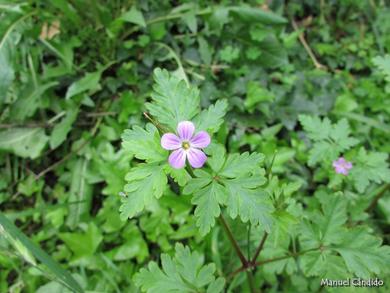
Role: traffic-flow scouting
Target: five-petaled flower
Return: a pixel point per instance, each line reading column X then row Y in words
column 186, row 145
column 341, row 166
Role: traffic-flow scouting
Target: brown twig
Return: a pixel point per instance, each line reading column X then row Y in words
column 233, row 241
column 161, row 128
column 309, row 51
column 260, row 263
column 260, row 247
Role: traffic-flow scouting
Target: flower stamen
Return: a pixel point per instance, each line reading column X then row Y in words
column 185, row 145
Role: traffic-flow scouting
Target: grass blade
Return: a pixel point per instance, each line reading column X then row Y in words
column 42, row 256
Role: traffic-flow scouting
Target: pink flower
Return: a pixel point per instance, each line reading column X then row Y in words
column 186, row 145
column 341, row 166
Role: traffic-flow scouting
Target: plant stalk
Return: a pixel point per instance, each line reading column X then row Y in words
column 375, row 200
column 260, row 247
column 233, row 241
column 251, row 281
column 260, row 263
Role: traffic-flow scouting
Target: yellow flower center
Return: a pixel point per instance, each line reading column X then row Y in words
column 185, row 145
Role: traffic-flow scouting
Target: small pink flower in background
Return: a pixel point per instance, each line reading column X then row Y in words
column 341, row 166
column 186, row 145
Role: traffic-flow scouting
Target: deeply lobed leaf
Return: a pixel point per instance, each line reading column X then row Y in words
column 145, row 182
column 329, row 140
column 370, row 166
column 144, row 144
column 173, row 100
column 185, row 272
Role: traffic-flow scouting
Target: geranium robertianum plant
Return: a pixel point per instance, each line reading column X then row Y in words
column 267, row 228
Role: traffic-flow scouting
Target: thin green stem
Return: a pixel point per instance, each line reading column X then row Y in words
column 190, row 171
column 269, row 168
column 251, row 281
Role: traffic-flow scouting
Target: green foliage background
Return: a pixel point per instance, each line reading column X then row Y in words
column 303, row 82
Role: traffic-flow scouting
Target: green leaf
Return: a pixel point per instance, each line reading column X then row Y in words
column 80, row 192
column 369, row 167
column 322, row 151
column 316, row 129
column 325, row 228
column 88, row 83
column 183, row 273
column 208, row 196
column 273, row 54
column 201, row 180
column 145, row 182
column 135, row 247
column 383, row 63
column 258, row 32
column 255, row 94
column 238, row 164
column 134, row 16
column 205, row 51
column 211, row 118
column 235, row 182
column 363, row 253
column 24, row 142
column 329, row 140
column 61, row 130
column 7, row 73
column 229, row 54
column 144, row 144
column 243, row 178
column 189, row 19
column 180, row 176
column 248, row 201
column 173, row 100
column 340, row 134
column 323, row 264
column 83, row 244
column 30, row 100
column 217, row 158
column 41, row 255
column 256, row 14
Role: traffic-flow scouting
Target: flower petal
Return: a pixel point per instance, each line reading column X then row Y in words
column 341, row 160
column 196, row 157
column 200, row 140
column 341, row 170
column 177, row 159
column 348, row 165
column 170, row 141
column 185, row 129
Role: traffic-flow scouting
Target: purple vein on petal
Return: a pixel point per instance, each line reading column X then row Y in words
column 170, row 141
column 196, row 157
column 177, row 159
column 185, row 129
column 200, row 140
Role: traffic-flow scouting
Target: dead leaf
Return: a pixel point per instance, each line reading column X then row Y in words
column 50, row 31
